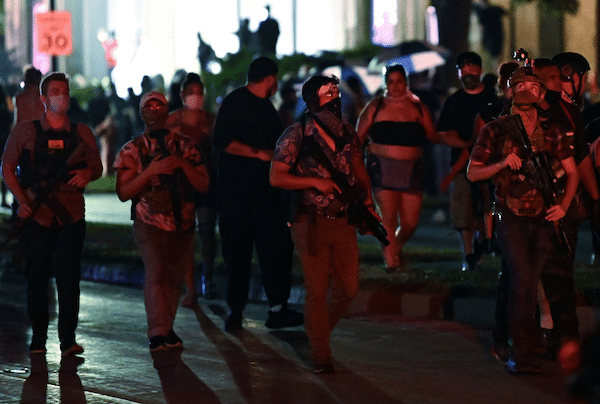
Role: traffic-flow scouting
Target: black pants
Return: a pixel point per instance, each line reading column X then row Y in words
column 45, row 249
column 557, row 279
column 525, row 244
column 256, row 220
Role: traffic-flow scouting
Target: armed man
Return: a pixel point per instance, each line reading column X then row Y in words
column 56, row 160
column 158, row 171
column 565, row 77
column 310, row 157
column 509, row 151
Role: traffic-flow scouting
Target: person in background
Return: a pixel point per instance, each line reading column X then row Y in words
column 28, row 106
column 196, row 123
column 251, row 211
column 394, row 128
column 458, row 114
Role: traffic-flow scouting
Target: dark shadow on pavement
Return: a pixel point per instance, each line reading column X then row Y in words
column 346, row 386
column 71, row 389
column 35, row 386
column 261, row 374
column 179, row 383
column 551, row 370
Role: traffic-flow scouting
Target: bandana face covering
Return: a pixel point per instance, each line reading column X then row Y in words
column 334, row 106
column 470, row 81
column 552, row 97
column 525, row 100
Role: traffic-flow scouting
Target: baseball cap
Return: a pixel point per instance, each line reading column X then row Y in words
column 468, row 57
column 262, row 67
column 152, row 95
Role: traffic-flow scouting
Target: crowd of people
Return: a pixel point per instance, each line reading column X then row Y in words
column 519, row 154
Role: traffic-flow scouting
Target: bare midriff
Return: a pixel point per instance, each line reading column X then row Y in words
column 397, row 152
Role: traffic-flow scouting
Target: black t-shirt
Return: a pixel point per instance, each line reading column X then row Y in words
column 250, row 120
column 458, row 113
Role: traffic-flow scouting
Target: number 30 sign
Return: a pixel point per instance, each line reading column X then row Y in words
column 54, row 32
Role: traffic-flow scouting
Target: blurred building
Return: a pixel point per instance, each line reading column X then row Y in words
column 157, row 37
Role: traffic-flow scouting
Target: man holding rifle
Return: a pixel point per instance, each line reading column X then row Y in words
column 323, row 231
column 525, row 215
column 55, row 160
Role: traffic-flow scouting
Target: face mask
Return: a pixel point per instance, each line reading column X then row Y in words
column 153, row 116
column 334, row 106
column 58, row 104
column 552, row 97
column 470, row 81
column 525, row 100
column 193, row 101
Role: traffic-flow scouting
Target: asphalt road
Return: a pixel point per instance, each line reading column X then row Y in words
column 378, row 359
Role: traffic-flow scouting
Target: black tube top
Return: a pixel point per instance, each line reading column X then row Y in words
column 397, row 133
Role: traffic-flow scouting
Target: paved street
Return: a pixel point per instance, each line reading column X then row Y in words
column 378, row 360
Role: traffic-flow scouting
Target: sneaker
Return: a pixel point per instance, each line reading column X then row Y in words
column 189, row 301
column 524, row 367
column 284, row 318
column 234, row 321
column 74, row 349
column 209, row 290
column 323, row 369
column 469, row 263
column 173, row 341
column 158, row 343
column 499, row 352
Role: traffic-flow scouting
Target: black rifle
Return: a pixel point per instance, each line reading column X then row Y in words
column 170, row 179
column 357, row 213
column 540, row 171
column 42, row 193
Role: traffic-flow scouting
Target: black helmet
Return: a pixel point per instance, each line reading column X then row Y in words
column 570, row 63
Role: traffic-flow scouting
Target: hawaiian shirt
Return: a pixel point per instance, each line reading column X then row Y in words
column 130, row 157
column 289, row 150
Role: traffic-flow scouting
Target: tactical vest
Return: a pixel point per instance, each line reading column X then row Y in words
column 51, row 150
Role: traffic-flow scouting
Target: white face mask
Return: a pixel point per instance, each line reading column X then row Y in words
column 193, row 101
column 59, row 104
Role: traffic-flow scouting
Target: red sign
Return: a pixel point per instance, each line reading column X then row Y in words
column 54, row 32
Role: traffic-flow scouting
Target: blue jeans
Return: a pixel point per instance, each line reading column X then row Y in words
column 44, row 249
column 525, row 243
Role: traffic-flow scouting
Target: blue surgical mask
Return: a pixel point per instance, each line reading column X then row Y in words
column 59, row 104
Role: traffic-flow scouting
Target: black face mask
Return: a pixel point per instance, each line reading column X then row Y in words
column 470, row 81
column 159, row 133
column 552, row 97
column 334, row 106
column 154, row 116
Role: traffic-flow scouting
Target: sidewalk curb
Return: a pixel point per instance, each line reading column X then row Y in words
column 454, row 304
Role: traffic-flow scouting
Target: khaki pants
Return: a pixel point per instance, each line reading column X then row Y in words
column 331, row 276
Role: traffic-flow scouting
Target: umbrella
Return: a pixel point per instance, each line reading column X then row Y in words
column 415, row 56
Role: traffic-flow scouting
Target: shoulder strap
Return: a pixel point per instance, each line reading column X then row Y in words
column 377, row 108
